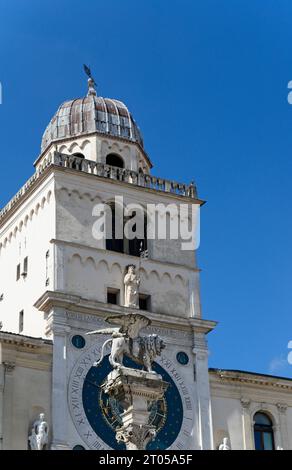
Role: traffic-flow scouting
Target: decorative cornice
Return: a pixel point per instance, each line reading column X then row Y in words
column 122, row 256
column 60, row 162
column 27, row 342
column 150, row 183
column 50, row 300
column 282, row 407
column 240, row 377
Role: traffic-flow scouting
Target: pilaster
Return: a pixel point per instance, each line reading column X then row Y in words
column 200, row 352
column 283, row 431
column 59, row 385
column 7, row 420
column 247, row 425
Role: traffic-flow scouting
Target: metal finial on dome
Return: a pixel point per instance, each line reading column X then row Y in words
column 90, row 81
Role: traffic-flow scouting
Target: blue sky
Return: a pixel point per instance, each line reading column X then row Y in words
column 207, row 82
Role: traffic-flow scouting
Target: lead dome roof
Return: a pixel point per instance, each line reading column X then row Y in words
column 92, row 113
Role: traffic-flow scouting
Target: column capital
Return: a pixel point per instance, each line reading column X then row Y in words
column 245, row 402
column 282, row 407
column 136, row 436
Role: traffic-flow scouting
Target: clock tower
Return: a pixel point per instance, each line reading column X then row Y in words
column 93, row 157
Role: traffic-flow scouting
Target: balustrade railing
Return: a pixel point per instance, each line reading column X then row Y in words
column 122, row 174
column 105, row 171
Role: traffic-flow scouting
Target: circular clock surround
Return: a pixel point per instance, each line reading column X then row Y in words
column 166, row 414
column 95, row 416
column 182, row 358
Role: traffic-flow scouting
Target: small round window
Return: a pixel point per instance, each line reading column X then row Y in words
column 78, row 447
column 78, row 341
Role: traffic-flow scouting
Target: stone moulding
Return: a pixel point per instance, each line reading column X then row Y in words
column 124, row 259
column 28, row 342
column 67, row 301
column 249, row 379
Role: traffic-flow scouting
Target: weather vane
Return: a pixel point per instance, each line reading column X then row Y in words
column 91, row 81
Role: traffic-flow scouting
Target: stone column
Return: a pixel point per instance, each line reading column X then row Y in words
column 135, row 390
column 247, row 425
column 200, row 352
column 59, row 383
column 283, row 430
column 7, row 419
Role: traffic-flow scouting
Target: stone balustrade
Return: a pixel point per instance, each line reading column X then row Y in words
column 125, row 175
column 103, row 170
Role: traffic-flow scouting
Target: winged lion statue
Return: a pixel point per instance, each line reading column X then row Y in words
column 126, row 341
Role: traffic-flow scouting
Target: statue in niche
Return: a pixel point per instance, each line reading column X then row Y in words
column 38, row 440
column 225, row 444
column 132, row 283
column 126, row 341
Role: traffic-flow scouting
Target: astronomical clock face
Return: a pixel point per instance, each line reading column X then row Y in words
column 97, row 416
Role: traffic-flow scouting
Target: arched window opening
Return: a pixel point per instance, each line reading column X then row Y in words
column 263, row 432
column 114, row 241
column 117, row 240
column 115, row 160
column 138, row 244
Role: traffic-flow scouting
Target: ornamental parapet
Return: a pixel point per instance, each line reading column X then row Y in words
column 125, row 175
column 103, row 170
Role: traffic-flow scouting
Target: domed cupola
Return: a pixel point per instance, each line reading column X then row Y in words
column 91, row 114
column 96, row 129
